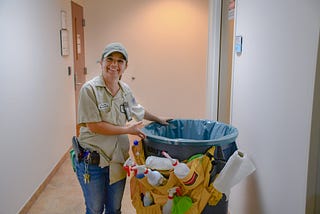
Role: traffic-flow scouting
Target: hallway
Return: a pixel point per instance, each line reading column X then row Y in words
column 63, row 195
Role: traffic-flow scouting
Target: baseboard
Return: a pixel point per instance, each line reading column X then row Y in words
column 34, row 197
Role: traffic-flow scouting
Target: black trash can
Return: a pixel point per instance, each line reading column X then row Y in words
column 183, row 138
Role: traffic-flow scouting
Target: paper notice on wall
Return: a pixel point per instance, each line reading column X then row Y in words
column 64, row 39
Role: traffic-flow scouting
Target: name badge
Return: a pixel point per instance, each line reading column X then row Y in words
column 103, row 106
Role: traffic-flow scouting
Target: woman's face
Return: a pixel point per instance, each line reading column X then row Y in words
column 113, row 66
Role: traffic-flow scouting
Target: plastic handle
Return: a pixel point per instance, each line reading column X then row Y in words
column 174, row 162
column 127, row 169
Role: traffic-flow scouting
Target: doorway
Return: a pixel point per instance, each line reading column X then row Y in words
column 220, row 59
column 226, row 58
column 78, row 52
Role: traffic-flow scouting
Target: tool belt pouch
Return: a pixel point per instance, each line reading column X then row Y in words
column 195, row 177
column 78, row 150
column 73, row 159
column 140, row 209
column 94, row 158
column 195, row 185
column 136, row 188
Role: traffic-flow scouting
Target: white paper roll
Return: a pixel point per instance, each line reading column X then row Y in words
column 236, row 169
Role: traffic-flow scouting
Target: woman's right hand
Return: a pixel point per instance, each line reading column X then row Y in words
column 135, row 129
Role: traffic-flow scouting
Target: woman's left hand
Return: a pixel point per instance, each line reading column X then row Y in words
column 164, row 122
column 135, row 129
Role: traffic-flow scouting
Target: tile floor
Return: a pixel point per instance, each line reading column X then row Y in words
column 63, row 195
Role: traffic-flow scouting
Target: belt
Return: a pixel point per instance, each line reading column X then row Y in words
column 90, row 157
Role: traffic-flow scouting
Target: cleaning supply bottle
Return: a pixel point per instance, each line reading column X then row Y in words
column 181, row 170
column 128, row 164
column 154, row 177
column 158, row 163
column 167, row 207
column 147, row 199
column 137, row 150
column 138, row 171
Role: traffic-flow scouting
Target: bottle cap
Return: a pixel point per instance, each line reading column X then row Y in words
column 140, row 175
column 135, row 142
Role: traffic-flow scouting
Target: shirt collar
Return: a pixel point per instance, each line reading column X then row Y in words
column 99, row 82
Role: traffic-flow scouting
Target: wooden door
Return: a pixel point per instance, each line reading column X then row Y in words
column 78, row 52
column 226, row 57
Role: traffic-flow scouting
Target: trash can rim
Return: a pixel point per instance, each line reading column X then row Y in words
column 230, row 138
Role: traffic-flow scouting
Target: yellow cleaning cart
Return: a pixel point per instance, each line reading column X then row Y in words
column 204, row 146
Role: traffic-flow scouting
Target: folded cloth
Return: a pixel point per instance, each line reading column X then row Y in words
column 181, row 204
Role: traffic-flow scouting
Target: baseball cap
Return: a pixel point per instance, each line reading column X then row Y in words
column 114, row 47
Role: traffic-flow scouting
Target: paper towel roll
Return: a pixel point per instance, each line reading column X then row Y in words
column 236, row 169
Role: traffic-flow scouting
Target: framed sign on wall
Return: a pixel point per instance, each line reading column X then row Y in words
column 64, row 35
column 64, row 40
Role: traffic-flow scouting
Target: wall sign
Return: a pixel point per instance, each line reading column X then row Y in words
column 64, row 40
column 64, row 35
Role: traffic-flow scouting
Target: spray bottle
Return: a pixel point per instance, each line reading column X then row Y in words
column 128, row 165
column 154, row 178
column 167, row 207
column 181, row 170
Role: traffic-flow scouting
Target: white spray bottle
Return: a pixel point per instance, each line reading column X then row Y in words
column 167, row 207
column 181, row 170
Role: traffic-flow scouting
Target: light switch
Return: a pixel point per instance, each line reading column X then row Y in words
column 238, row 44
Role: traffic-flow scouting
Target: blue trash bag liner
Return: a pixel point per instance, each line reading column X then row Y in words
column 183, row 138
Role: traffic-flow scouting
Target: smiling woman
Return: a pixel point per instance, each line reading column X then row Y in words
column 105, row 106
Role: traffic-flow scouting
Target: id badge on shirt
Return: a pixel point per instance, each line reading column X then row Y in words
column 124, row 108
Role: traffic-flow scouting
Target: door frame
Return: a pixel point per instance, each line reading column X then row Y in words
column 213, row 59
column 78, row 52
column 313, row 177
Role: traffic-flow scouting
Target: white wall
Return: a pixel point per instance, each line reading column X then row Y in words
column 272, row 102
column 167, row 42
column 37, row 98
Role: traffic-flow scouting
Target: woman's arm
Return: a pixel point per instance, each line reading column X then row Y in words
column 133, row 128
column 109, row 129
column 152, row 117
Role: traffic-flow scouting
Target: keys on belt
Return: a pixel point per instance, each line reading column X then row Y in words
column 88, row 158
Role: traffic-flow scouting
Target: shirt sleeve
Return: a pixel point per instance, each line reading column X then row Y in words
column 137, row 110
column 87, row 106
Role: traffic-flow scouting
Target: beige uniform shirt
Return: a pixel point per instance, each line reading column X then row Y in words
column 96, row 104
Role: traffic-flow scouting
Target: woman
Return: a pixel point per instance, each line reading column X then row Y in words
column 105, row 105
